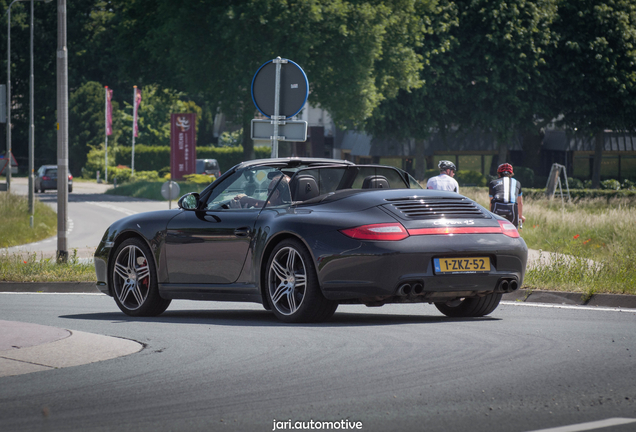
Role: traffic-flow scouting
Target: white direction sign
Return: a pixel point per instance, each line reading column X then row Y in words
column 288, row 130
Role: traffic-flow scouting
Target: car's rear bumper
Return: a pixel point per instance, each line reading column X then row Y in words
column 382, row 269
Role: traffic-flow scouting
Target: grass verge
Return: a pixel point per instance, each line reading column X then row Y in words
column 18, row 268
column 598, row 229
column 15, row 228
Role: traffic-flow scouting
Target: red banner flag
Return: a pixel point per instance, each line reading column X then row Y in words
column 109, row 111
column 137, row 103
column 183, row 146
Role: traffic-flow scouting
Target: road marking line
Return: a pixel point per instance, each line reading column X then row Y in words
column 112, row 207
column 616, row 421
column 559, row 306
column 53, row 293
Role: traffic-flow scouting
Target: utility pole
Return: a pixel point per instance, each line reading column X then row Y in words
column 31, row 130
column 62, row 134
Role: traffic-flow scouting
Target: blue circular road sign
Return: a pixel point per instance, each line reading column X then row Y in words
column 294, row 89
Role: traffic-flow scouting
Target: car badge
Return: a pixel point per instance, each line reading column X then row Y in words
column 454, row 222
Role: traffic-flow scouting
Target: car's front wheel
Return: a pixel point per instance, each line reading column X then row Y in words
column 293, row 290
column 134, row 280
column 470, row 307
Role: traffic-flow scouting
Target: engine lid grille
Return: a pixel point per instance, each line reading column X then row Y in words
column 425, row 208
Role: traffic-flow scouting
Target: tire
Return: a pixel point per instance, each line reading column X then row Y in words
column 134, row 280
column 42, row 190
column 470, row 307
column 70, row 189
column 292, row 286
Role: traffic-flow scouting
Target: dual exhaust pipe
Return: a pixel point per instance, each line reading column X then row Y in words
column 408, row 288
column 417, row 287
column 507, row 285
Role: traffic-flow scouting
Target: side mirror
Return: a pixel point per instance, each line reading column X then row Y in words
column 189, row 201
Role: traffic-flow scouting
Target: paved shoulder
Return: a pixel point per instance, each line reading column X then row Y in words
column 26, row 348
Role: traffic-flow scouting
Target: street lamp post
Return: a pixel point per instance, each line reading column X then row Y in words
column 31, row 128
column 62, row 134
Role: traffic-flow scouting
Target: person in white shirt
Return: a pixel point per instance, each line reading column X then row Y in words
column 445, row 180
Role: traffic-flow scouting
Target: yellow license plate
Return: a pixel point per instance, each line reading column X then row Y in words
column 462, row 265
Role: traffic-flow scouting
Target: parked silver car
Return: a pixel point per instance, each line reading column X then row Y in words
column 46, row 178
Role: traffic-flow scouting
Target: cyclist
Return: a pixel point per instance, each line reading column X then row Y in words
column 506, row 199
column 445, row 180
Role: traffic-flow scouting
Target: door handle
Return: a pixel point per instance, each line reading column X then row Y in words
column 242, row 232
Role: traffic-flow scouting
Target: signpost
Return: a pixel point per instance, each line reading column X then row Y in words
column 279, row 91
column 170, row 190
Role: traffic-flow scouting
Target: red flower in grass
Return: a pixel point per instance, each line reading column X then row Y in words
column 577, row 236
column 587, row 241
column 25, row 262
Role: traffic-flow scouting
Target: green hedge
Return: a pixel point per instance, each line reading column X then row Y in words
column 154, row 158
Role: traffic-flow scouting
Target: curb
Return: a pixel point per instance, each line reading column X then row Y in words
column 573, row 299
column 49, row 287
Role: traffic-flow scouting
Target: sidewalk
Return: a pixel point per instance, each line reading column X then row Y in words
column 26, row 348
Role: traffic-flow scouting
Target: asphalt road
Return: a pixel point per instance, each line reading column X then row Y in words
column 226, row 366
column 90, row 212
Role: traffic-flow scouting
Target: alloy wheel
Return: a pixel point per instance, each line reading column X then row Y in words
column 131, row 277
column 287, row 281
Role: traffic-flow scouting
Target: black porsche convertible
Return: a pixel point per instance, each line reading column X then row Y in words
column 303, row 235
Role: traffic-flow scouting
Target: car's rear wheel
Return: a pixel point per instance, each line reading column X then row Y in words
column 134, row 280
column 470, row 307
column 293, row 290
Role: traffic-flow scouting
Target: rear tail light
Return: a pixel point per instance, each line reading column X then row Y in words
column 70, row 177
column 508, row 229
column 46, row 178
column 385, row 231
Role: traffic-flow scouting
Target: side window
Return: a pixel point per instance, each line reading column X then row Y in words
column 244, row 189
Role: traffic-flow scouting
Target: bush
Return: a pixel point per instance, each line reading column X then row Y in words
column 524, row 175
column 611, row 184
column 470, row 178
column 199, row 179
column 628, row 184
column 147, row 158
column 146, row 176
column 575, row 183
column 121, row 174
column 164, row 171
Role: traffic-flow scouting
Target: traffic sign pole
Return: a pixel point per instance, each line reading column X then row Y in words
column 278, row 62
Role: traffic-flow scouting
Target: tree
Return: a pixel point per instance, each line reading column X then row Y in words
column 595, row 68
column 486, row 70
column 86, row 119
column 355, row 54
column 91, row 57
column 154, row 115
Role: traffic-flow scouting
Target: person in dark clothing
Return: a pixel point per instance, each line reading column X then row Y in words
column 506, row 198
